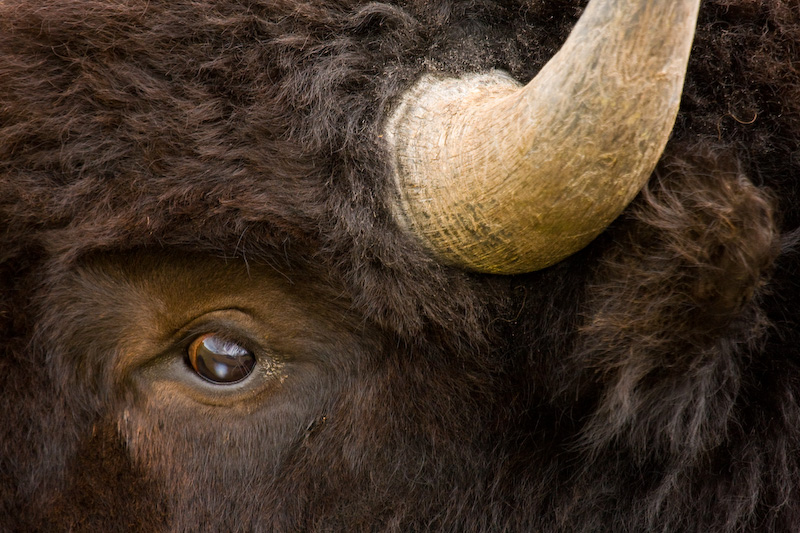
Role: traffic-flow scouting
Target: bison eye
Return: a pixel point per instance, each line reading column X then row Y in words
column 220, row 361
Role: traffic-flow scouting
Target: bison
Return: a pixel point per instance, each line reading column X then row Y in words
column 403, row 265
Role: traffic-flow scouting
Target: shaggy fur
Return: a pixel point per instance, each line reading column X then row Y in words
column 650, row 382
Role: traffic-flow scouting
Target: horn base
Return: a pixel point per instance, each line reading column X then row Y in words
column 499, row 178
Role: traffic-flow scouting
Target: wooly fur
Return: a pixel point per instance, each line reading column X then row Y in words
column 649, row 382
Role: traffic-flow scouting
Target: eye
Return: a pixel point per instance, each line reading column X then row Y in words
column 220, row 361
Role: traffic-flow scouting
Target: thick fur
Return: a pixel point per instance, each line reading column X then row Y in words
column 650, row 382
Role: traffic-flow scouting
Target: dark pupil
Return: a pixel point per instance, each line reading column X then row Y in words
column 220, row 361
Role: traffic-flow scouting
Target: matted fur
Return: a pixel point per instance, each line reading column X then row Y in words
column 650, row 382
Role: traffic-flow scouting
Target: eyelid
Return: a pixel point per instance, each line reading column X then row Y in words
column 144, row 347
column 220, row 343
column 224, row 332
column 233, row 317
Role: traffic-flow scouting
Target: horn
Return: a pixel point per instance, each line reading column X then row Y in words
column 496, row 177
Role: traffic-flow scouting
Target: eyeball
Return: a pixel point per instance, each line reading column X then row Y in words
column 220, row 361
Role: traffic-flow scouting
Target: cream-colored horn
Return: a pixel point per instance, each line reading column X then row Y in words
column 496, row 177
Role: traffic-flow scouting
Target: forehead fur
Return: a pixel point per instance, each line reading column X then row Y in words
column 254, row 129
column 241, row 129
column 191, row 124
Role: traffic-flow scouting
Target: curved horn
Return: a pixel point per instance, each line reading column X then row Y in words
column 495, row 177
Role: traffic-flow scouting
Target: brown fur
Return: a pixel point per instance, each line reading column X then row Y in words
column 649, row 382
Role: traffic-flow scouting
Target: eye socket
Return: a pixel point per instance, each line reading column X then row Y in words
column 220, row 361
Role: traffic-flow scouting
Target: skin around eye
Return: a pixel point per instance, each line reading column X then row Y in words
column 220, row 361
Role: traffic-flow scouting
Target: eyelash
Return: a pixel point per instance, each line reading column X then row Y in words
column 221, row 329
column 223, row 334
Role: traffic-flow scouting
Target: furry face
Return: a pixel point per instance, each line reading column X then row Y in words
column 210, row 175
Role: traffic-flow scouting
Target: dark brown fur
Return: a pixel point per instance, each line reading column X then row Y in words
column 650, row 382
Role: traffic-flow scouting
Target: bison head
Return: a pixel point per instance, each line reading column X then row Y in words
column 321, row 266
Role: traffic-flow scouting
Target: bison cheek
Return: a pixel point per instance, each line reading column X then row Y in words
column 221, row 462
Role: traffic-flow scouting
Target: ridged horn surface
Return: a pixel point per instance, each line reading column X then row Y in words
column 497, row 177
